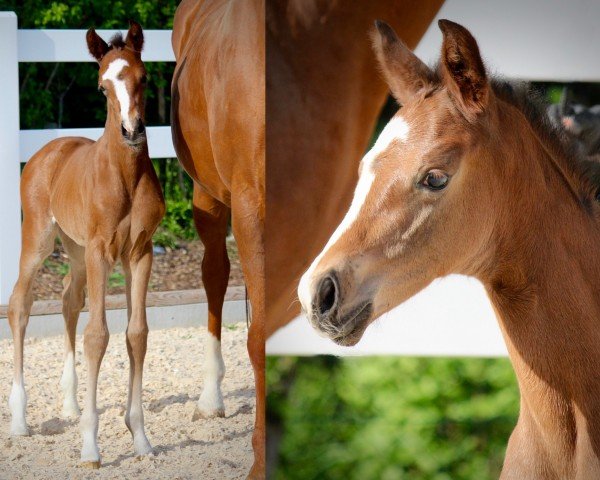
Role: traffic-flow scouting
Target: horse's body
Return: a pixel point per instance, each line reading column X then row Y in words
column 324, row 94
column 467, row 178
column 104, row 200
column 218, row 121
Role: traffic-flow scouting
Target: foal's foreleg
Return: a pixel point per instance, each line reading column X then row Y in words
column 36, row 245
column 73, row 302
column 140, row 265
column 95, row 340
column 211, row 218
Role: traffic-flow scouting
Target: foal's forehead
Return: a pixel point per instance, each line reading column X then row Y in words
column 119, row 62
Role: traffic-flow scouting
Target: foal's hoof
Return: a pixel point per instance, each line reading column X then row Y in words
column 143, row 448
column 70, row 411
column 94, row 465
column 19, row 430
column 201, row 413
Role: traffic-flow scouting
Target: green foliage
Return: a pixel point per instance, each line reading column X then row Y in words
column 64, row 95
column 116, row 279
column 177, row 187
column 390, row 417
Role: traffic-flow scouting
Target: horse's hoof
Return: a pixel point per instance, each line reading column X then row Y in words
column 94, row 465
column 19, row 431
column 200, row 413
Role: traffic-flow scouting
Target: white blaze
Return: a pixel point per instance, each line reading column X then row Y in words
column 112, row 73
column 396, row 130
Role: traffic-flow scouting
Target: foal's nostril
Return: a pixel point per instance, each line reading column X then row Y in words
column 141, row 128
column 123, row 131
column 326, row 295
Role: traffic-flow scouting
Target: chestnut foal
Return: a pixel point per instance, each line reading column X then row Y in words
column 104, row 201
column 469, row 178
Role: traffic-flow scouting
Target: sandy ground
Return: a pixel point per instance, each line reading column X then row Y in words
column 209, row 449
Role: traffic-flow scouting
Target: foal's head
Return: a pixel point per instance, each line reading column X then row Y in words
column 122, row 79
column 434, row 192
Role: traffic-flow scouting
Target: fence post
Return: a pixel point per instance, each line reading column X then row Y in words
column 10, row 203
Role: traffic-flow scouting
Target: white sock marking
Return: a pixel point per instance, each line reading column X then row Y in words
column 112, row 73
column 211, row 399
column 18, row 405
column 396, row 130
column 68, row 383
column 89, row 433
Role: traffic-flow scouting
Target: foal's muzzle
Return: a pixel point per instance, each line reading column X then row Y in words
column 343, row 320
column 137, row 135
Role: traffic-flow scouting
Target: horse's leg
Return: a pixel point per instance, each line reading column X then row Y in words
column 139, row 266
column 73, row 302
column 37, row 242
column 211, row 218
column 248, row 228
column 95, row 340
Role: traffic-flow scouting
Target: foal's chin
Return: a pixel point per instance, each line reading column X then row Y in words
column 135, row 144
column 346, row 329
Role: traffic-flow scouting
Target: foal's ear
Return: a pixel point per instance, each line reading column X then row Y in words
column 96, row 45
column 404, row 73
column 135, row 37
column 463, row 70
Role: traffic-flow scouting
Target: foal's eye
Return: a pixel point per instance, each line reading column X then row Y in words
column 435, row 180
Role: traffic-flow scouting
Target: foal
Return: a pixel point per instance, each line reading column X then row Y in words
column 467, row 178
column 104, row 201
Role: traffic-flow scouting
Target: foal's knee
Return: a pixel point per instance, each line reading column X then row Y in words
column 95, row 340
column 137, row 335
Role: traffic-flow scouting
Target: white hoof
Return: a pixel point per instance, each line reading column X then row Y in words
column 19, row 429
column 18, row 405
column 70, row 410
column 90, row 456
column 210, row 404
column 204, row 411
column 142, row 446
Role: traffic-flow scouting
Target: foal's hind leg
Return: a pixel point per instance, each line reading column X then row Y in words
column 211, row 218
column 73, row 302
column 37, row 242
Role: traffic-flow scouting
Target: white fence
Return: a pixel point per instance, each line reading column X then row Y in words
column 17, row 146
column 553, row 40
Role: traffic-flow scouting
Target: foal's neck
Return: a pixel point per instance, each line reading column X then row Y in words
column 545, row 288
column 130, row 161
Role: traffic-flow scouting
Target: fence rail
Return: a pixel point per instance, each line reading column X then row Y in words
column 17, row 146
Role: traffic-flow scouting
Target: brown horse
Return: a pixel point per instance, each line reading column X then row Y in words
column 469, row 178
column 218, row 121
column 104, row 200
column 324, row 94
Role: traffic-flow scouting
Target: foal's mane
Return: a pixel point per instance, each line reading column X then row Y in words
column 582, row 173
column 117, row 42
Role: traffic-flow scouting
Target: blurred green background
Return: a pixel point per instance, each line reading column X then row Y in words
column 65, row 95
column 389, row 417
